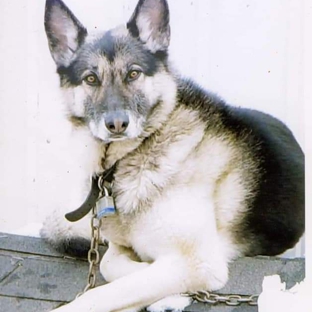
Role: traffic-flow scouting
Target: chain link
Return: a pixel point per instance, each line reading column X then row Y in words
column 93, row 254
column 230, row 300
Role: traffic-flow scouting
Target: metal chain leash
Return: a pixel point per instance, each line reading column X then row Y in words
column 230, row 300
column 93, row 253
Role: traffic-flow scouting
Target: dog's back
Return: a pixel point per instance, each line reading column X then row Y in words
column 279, row 199
column 274, row 161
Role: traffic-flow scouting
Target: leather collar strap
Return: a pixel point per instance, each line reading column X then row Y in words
column 92, row 197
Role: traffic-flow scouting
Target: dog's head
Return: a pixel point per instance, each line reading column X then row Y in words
column 117, row 83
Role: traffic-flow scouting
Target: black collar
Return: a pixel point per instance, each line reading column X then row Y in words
column 93, row 196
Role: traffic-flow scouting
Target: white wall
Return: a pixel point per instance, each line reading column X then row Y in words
column 249, row 52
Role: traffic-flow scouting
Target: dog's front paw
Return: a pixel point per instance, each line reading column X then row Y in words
column 174, row 303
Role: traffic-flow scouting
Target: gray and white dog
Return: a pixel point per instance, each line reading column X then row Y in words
column 197, row 183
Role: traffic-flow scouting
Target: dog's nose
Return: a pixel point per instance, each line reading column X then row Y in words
column 117, row 122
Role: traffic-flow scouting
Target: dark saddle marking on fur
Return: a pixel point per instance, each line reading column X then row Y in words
column 93, row 196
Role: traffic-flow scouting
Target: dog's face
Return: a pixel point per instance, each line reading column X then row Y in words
column 113, row 81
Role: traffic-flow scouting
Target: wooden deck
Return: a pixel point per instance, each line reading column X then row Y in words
column 34, row 277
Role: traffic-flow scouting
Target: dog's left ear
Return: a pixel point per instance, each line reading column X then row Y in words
column 65, row 33
column 150, row 24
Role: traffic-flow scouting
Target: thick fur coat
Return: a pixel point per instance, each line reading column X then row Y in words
column 198, row 183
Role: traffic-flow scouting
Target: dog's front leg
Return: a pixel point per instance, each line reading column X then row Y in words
column 119, row 261
column 136, row 290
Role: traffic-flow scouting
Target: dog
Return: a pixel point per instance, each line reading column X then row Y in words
column 196, row 183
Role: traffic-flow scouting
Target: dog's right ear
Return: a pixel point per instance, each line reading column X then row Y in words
column 65, row 33
column 150, row 24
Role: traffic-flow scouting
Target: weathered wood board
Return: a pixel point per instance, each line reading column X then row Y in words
column 34, row 277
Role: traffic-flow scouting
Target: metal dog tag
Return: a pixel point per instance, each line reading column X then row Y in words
column 105, row 207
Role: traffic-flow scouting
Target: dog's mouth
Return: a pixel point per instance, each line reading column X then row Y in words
column 119, row 137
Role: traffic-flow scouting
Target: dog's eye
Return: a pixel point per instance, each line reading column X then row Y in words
column 133, row 74
column 91, row 80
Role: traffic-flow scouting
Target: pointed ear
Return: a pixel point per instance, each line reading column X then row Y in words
column 150, row 23
column 65, row 33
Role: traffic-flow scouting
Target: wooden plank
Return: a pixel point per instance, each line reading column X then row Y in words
column 30, row 245
column 24, row 244
column 44, row 278
column 15, row 304
column 246, row 274
column 33, row 277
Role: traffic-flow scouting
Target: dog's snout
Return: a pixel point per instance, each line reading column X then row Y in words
column 117, row 122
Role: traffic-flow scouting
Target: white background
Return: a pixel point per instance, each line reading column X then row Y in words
column 253, row 53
